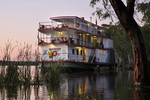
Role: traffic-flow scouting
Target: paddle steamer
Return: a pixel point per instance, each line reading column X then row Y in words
column 75, row 41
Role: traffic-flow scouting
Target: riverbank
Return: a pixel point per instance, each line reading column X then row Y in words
column 18, row 63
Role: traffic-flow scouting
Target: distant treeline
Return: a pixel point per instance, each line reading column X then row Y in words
column 122, row 43
column 18, row 62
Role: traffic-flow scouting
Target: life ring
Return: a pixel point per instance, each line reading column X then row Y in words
column 54, row 53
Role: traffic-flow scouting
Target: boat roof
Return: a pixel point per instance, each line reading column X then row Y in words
column 71, row 19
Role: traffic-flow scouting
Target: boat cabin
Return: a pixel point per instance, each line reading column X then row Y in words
column 73, row 39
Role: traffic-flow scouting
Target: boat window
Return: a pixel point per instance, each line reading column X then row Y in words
column 102, row 51
column 72, row 51
column 77, row 52
column 80, row 52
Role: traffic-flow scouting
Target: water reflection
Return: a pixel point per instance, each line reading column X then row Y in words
column 141, row 93
column 99, row 85
column 93, row 86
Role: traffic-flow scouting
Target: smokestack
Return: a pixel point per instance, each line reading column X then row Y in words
column 82, row 18
column 91, row 19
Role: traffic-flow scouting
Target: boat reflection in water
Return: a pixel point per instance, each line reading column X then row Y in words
column 94, row 86
column 76, row 86
column 103, row 85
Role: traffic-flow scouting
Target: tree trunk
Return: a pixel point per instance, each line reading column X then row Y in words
column 141, row 69
column 141, row 94
column 125, row 15
column 138, row 95
column 129, row 61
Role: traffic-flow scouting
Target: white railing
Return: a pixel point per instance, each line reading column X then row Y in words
column 54, row 24
column 65, row 57
column 80, row 26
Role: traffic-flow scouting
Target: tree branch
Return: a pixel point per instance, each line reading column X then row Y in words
column 130, row 7
column 121, row 11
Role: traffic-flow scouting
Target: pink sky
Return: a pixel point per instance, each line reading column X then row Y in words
column 19, row 18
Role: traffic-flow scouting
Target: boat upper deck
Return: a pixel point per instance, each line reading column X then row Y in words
column 73, row 30
column 74, row 22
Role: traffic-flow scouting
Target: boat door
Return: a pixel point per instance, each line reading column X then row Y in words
column 84, row 40
column 84, row 55
column 95, row 42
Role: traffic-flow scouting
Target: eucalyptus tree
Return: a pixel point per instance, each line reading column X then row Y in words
column 144, row 8
column 122, row 44
column 146, row 35
column 125, row 14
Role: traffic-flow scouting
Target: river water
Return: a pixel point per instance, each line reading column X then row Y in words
column 86, row 85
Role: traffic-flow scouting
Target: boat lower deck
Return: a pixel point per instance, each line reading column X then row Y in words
column 74, row 64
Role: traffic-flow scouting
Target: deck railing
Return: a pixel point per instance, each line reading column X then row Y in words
column 66, row 57
column 47, row 40
column 79, row 26
column 54, row 24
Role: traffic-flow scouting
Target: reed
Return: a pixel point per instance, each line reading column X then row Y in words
column 15, row 75
column 54, row 91
column 25, row 54
column 53, row 75
column 11, row 92
column 7, row 51
column 11, row 75
column 37, row 79
column 2, row 78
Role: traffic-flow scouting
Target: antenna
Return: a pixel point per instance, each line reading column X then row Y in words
column 96, row 21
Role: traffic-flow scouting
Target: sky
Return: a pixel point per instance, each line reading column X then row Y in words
column 19, row 19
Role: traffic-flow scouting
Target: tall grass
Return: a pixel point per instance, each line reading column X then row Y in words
column 7, row 51
column 14, row 75
column 37, row 78
column 17, row 76
column 53, row 75
column 11, row 75
column 15, row 93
